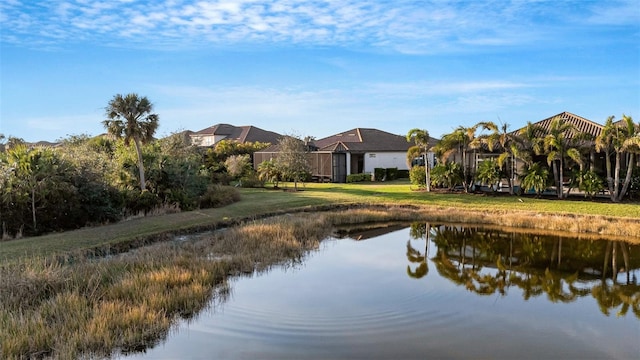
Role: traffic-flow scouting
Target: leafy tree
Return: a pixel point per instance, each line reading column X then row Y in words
column 421, row 139
column 131, row 117
column 237, row 165
column 619, row 139
column 292, row 159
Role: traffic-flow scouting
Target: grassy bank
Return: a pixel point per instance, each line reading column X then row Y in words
column 92, row 308
column 528, row 212
column 91, row 305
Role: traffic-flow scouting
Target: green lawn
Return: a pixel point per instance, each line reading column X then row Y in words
column 258, row 202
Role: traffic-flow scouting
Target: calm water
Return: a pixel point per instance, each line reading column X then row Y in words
column 407, row 293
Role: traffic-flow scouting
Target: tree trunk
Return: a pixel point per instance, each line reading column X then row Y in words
column 427, row 171
column 616, row 178
column 33, row 208
column 560, row 180
column 143, row 185
column 607, row 161
column 627, row 179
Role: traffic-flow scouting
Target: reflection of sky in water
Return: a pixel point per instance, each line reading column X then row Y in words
column 355, row 299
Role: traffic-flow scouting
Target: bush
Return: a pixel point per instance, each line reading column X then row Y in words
column 379, row 174
column 358, row 177
column 403, row 174
column 392, row 173
column 218, row 195
column 417, row 175
column 141, row 202
column 590, row 183
column 251, row 181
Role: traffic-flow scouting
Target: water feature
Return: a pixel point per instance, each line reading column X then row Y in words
column 428, row 291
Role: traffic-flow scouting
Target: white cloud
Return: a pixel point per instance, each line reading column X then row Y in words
column 406, row 26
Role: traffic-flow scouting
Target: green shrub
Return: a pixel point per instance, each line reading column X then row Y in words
column 403, row 174
column 358, row 177
column 590, row 183
column 218, row 195
column 379, row 173
column 392, row 173
column 141, row 201
column 417, row 176
column 251, row 181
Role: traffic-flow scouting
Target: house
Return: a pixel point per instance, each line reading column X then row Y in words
column 594, row 161
column 242, row 134
column 356, row 151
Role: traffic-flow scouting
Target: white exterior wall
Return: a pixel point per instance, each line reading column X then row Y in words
column 385, row 160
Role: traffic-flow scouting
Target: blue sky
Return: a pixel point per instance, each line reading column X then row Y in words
column 316, row 67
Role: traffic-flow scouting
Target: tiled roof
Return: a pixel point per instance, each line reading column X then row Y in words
column 581, row 124
column 240, row 134
column 363, row 139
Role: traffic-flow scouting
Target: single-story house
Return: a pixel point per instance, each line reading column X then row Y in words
column 356, row 151
column 242, row 134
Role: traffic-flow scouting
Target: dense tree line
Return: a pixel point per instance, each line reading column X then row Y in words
column 544, row 158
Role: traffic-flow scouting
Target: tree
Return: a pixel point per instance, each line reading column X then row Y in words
column 489, row 173
column 462, row 140
column 421, row 139
column 506, row 141
column 559, row 146
column 292, row 159
column 237, row 164
column 131, row 117
column 536, row 177
column 268, row 171
column 618, row 139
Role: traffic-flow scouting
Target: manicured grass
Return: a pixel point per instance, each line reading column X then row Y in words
column 261, row 202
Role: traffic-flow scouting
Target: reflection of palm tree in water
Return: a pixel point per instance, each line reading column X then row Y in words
column 418, row 231
column 612, row 294
column 485, row 263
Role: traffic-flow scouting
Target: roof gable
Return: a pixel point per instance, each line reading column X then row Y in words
column 581, row 124
column 363, row 139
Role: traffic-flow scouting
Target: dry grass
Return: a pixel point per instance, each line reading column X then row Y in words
column 124, row 303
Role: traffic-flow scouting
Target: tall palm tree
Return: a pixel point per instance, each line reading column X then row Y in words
column 618, row 139
column 421, row 139
column 130, row 117
column 462, row 140
column 559, row 146
column 506, row 142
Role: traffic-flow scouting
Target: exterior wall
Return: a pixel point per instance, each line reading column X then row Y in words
column 374, row 160
column 207, row 140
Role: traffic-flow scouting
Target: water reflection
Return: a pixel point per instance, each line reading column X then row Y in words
column 490, row 261
column 406, row 290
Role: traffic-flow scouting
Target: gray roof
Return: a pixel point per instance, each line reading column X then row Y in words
column 240, row 134
column 363, row 139
column 581, row 124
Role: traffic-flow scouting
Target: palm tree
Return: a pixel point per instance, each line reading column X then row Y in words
column 461, row 140
column 501, row 138
column 421, row 139
column 618, row 138
column 130, row 117
column 559, row 146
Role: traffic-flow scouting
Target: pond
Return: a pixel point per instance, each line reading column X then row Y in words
column 428, row 291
